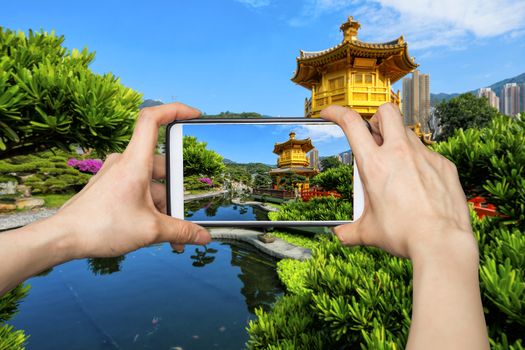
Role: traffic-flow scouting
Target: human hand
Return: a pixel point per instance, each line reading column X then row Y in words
column 414, row 203
column 121, row 209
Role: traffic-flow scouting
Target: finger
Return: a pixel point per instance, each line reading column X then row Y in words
column 158, row 194
column 144, row 138
column 179, row 231
column 357, row 133
column 348, row 234
column 390, row 123
column 159, row 167
column 179, row 248
column 376, row 130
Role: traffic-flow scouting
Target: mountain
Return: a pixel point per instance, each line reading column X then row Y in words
column 150, row 103
column 496, row 87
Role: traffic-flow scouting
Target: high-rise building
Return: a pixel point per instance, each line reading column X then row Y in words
column 313, row 157
column 416, row 100
column 346, row 157
column 510, row 99
column 522, row 97
column 490, row 95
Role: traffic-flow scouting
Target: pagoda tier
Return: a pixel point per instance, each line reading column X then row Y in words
column 353, row 73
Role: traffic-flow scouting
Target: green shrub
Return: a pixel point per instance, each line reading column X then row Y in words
column 336, row 179
column 491, row 163
column 9, row 338
column 298, row 239
column 51, row 99
column 45, row 172
column 318, row 208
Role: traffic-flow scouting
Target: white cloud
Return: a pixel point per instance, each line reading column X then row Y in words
column 319, row 133
column 254, row 3
column 426, row 23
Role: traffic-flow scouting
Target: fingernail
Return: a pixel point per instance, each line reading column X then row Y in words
column 202, row 236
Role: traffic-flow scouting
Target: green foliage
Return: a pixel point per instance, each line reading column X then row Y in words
column 330, row 162
column 49, row 98
column 336, row 179
column 245, row 172
column 45, row 172
column 198, row 160
column 345, row 298
column 491, row 163
column 297, row 239
column 55, row 200
column 9, row 338
column 463, row 112
column 316, row 209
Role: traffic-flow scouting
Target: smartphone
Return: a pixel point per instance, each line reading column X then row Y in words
column 259, row 172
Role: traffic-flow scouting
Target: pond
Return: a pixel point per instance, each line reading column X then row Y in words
column 151, row 299
column 221, row 208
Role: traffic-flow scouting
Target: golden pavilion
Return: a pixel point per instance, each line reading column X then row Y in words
column 353, row 73
column 293, row 160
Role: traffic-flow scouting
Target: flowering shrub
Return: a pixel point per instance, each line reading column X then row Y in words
column 206, row 180
column 86, row 165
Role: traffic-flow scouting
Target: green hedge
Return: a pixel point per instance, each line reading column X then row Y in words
column 45, row 172
column 318, row 208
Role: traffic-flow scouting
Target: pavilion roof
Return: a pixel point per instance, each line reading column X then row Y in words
column 306, row 145
column 392, row 57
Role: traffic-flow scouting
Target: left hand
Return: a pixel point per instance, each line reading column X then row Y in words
column 121, row 209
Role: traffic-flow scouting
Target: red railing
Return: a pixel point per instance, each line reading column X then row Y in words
column 309, row 194
column 482, row 208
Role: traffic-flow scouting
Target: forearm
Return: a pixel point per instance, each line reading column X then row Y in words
column 29, row 250
column 447, row 310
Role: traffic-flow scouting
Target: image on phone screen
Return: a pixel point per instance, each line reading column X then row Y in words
column 260, row 172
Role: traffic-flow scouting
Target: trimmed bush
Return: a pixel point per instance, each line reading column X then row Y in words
column 9, row 338
column 318, row 208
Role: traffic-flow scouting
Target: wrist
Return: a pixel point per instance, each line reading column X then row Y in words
column 55, row 236
column 451, row 248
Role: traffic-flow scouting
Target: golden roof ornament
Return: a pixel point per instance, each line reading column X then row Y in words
column 350, row 29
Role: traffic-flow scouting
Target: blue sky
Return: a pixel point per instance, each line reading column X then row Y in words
column 255, row 143
column 239, row 55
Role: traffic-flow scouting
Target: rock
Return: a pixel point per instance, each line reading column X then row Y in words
column 29, row 203
column 266, row 238
column 7, row 207
column 25, row 190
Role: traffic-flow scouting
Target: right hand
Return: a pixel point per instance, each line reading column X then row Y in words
column 414, row 202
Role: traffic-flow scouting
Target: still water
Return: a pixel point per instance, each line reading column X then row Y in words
column 222, row 209
column 150, row 299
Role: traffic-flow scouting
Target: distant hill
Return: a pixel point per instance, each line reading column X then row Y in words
column 150, row 103
column 496, row 87
column 229, row 114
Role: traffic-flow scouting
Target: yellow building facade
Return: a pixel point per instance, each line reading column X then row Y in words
column 353, row 73
column 292, row 159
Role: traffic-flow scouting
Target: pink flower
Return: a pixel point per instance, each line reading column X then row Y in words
column 86, row 165
column 206, row 180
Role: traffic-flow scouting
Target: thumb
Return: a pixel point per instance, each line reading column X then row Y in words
column 178, row 231
column 349, row 234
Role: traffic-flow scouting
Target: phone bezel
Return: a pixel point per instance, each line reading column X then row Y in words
column 357, row 198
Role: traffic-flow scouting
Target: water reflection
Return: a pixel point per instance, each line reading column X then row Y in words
column 203, row 257
column 261, row 285
column 105, row 266
column 222, row 208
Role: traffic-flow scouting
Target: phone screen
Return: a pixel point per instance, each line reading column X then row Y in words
column 264, row 173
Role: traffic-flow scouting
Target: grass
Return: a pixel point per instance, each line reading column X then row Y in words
column 297, row 239
column 55, row 200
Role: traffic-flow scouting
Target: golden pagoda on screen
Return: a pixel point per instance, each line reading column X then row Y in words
column 353, row 73
column 292, row 160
